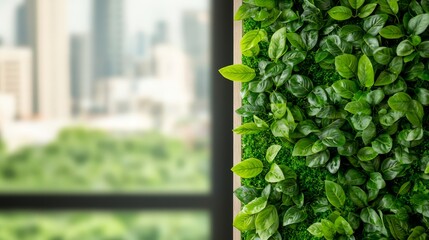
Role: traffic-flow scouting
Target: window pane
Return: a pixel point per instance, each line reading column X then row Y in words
column 105, row 226
column 104, row 96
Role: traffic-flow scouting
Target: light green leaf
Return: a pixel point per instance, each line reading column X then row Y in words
column 382, row 144
column 272, row 152
column 275, row 174
column 303, row 147
column 340, row 13
column 366, row 10
column 249, row 128
column 375, row 181
column 391, row 32
column 251, row 39
column 358, row 107
column 366, row 154
column 343, row 227
column 316, row 230
column 278, row 45
column 267, row 222
column 244, row 222
column 365, row 71
column 296, row 41
column 400, row 102
column 346, row 65
column 238, row 72
column 418, row 24
column 248, row 168
column 335, row 194
column 345, row 88
column 383, row 55
column 375, row 97
column 255, row 206
column 404, row 48
column 356, row 4
column 328, row 229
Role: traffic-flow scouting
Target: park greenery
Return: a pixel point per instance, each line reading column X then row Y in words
column 334, row 127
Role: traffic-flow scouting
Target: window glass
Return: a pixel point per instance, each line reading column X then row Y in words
column 104, row 96
column 104, row 225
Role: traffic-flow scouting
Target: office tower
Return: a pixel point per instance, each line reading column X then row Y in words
column 21, row 26
column 108, row 39
column 16, row 78
column 50, row 43
column 196, row 44
column 81, row 66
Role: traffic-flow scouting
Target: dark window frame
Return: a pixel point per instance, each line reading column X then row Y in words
column 219, row 201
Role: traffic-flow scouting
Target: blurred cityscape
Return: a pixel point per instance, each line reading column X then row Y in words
column 112, row 74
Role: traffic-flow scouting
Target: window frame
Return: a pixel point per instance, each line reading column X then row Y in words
column 218, row 201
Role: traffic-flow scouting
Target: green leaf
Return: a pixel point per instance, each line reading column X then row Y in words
column 360, row 122
column 335, row 194
column 382, row 144
column 358, row 107
column 316, row 229
column 370, row 216
column 405, row 188
column 418, row 24
column 287, row 186
column 375, row 97
column 419, row 233
column 255, row 206
column 373, row 24
column 356, row 4
column 260, row 123
column 390, row 168
column 400, row 102
column 249, row 128
column 345, row 88
column 274, row 15
column 423, row 96
column 385, row 78
column 272, row 152
column 340, row 13
column 244, row 222
column 404, row 48
column 251, row 39
column 294, row 215
column 261, row 15
column 424, row 49
column 275, row 174
column 336, row 46
column 300, row 86
column 333, row 137
column 358, row 196
column 354, row 177
column 334, row 165
column 245, row 194
column 318, row 160
column 263, row 3
column 365, row 71
column 294, row 57
column 366, row 10
column 368, row 133
column 395, row 66
column 343, row 227
column 398, row 229
column 415, row 113
column 248, row 168
column 278, row 45
column 310, row 39
column 351, row 33
column 245, row 11
column 267, row 222
column 346, row 65
column 238, row 72
column 306, row 127
column 328, row 229
column 296, row 41
column 375, row 181
column 366, row 154
column 391, row 32
column 303, row 147
column 383, row 55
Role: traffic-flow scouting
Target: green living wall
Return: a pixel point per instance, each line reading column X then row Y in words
column 335, row 121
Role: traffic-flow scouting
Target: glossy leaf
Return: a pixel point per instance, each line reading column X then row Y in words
column 248, row 168
column 294, row 215
column 346, row 65
column 335, row 194
column 238, row 72
column 340, row 13
column 272, row 152
column 365, row 71
column 278, row 45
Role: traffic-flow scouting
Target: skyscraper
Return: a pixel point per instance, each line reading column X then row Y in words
column 22, row 23
column 16, row 78
column 108, row 38
column 80, row 60
column 50, row 44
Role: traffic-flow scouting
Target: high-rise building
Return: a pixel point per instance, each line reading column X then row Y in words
column 108, row 34
column 16, row 78
column 196, row 44
column 49, row 40
column 81, row 75
column 21, row 26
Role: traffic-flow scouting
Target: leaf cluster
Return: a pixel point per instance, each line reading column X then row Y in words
column 365, row 129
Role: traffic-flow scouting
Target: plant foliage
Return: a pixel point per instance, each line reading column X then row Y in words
column 361, row 129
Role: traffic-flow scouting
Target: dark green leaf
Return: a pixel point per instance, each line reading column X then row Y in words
column 375, row 97
column 345, row 88
column 318, row 160
column 415, row 113
column 382, row 144
column 245, row 194
column 405, row 188
column 340, row 13
column 423, row 96
column 334, row 165
column 333, row 137
column 303, row 147
column 404, row 48
column 335, row 194
column 370, row 216
column 383, row 55
column 424, row 49
column 358, row 196
column 356, row 4
column 295, row 57
column 295, row 40
column 375, row 181
column 418, row 24
column 248, row 168
column 300, row 86
column 354, row 177
column 390, row 168
column 368, row 133
column 360, row 122
column 351, row 33
column 385, row 78
column 358, row 107
column 238, row 72
column 294, row 215
column 310, row 38
column 373, row 24
column 400, row 102
column 398, row 229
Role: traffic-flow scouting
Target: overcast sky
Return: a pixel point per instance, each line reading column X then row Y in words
column 141, row 15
